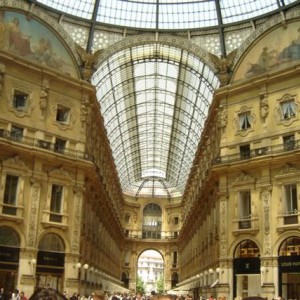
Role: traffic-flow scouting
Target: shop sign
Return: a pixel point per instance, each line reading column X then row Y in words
column 247, row 265
column 289, row 263
column 9, row 254
column 47, row 258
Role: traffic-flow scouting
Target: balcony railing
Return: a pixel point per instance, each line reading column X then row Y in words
column 247, row 224
column 159, row 235
column 252, row 153
column 51, row 219
column 42, row 144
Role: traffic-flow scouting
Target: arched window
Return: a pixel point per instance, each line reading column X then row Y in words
column 8, row 237
column 125, row 279
column 52, row 242
column 290, row 247
column 50, row 260
column 152, row 221
column 246, row 268
column 247, row 248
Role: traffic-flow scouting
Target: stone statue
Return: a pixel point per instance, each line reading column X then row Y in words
column 223, row 66
column 88, row 61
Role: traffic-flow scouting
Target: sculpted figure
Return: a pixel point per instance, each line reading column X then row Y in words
column 223, row 66
column 88, row 61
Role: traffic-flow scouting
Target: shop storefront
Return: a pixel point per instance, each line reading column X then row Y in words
column 9, row 259
column 50, row 262
column 289, row 268
column 246, row 266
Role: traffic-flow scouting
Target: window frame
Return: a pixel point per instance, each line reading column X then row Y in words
column 10, row 196
column 245, row 204
column 289, row 142
column 15, row 187
column 18, row 103
column 56, row 198
column 63, row 114
column 288, row 111
column 60, row 145
column 245, row 151
column 245, row 120
column 291, row 199
column 16, row 132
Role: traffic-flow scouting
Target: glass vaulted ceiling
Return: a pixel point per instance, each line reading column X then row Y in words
column 166, row 14
column 154, row 99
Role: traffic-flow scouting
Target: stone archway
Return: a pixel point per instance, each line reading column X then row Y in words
column 150, row 272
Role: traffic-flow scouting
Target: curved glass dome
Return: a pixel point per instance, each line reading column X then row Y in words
column 166, row 14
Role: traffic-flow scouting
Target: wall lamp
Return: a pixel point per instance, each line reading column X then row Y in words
column 32, row 262
column 219, row 271
column 78, row 265
column 264, row 270
column 210, row 271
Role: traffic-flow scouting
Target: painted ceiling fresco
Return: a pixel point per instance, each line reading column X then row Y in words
column 279, row 49
column 31, row 40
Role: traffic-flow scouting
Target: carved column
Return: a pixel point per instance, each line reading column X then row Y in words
column 267, row 268
column 27, row 262
column 77, row 205
column 34, row 213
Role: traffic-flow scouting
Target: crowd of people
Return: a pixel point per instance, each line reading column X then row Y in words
column 52, row 294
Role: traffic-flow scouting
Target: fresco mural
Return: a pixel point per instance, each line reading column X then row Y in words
column 30, row 39
column 279, row 49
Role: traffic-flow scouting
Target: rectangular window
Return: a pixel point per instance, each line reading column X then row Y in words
column 16, row 133
column 56, row 203
column 288, row 109
column 62, row 114
column 245, row 151
column 244, row 209
column 289, row 142
column 175, row 258
column 127, row 218
column 176, row 220
column 10, row 195
column 20, row 100
column 290, row 191
column 60, row 145
column 245, row 121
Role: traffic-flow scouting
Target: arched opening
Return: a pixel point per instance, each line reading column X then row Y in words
column 247, row 280
column 9, row 258
column 174, row 279
column 125, row 279
column 50, row 262
column 152, row 221
column 289, row 268
column 150, row 272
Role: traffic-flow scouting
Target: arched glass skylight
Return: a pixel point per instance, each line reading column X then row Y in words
column 154, row 99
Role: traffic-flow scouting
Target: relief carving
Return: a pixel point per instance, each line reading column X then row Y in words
column 32, row 228
column 77, row 217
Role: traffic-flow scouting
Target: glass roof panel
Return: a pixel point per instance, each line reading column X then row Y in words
column 150, row 114
column 238, row 10
column 79, row 8
column 127, row 13
column 166, row 14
